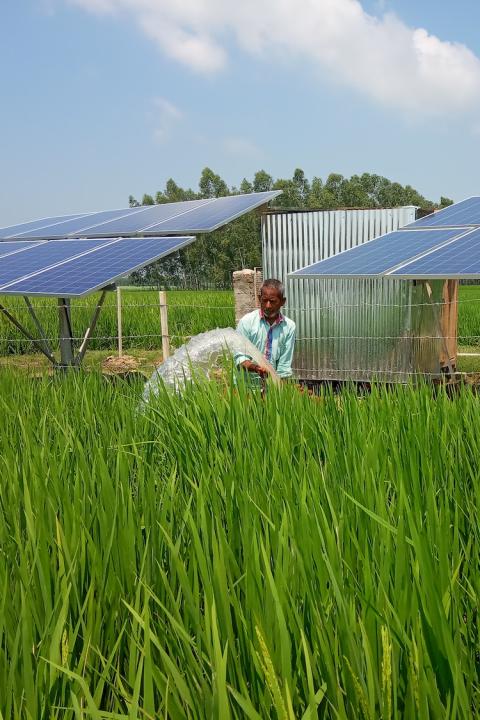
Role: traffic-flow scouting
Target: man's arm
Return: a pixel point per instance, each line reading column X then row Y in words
column 284, row 363
column 243, row 360
column 240, row 358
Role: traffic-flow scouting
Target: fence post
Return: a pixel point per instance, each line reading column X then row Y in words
column 119, row 321
column 164, row 324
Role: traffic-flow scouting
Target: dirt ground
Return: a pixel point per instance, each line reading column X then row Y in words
column 136, row 361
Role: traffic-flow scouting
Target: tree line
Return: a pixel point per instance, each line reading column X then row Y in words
column 210, row 261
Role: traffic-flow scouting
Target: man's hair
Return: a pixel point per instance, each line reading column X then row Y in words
column 275, row 284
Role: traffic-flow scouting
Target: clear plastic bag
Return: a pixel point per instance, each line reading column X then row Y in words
column 201, row 356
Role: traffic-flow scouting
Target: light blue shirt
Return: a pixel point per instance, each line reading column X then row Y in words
column 276, row 342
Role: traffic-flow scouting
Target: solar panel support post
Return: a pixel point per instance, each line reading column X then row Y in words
column 86, row 338
column 438, row 320
column 25, row 332
column 43, row 336
column 65, row 334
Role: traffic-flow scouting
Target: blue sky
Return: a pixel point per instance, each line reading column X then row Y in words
column 105, row 98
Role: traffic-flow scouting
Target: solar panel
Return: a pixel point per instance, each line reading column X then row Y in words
column 378, row 256
column 213, row 215
column 54, row 270
column 34, row 225
column 41, row 256
column 149, row 217
column 191, row 216
column 457, row 259
column 76, row 226
column 462, row 214
column 7, row 248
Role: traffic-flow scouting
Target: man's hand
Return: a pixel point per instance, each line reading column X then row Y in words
column 250, row 366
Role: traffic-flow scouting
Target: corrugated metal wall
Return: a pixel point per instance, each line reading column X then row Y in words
column 350, row 329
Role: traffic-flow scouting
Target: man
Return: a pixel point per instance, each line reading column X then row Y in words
column 270, row 331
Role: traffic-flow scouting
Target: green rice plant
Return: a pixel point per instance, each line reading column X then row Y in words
column 189, row 314
column 469, row 315
column 223, row 555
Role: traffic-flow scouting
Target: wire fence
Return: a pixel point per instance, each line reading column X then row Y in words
column 142, row 329
column 49, row 305
column 319, row 338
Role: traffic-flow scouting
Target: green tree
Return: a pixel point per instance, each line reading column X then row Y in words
column 246, row 186
column 211, row 185
column 302, row 185
column 213, row 257
column 314, row 199
column 262, row 181
column 354, row 195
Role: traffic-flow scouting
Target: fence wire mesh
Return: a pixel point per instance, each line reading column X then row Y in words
column 189, row 316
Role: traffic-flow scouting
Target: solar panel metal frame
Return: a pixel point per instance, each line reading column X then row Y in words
column 149, row 230
column 8, row 288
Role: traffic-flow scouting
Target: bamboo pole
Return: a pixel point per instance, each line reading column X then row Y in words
column 164, row 324
column 119, row 321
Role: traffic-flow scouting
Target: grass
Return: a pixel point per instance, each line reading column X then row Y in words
column 231, row 557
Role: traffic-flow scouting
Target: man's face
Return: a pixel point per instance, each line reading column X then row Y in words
column 271, row 302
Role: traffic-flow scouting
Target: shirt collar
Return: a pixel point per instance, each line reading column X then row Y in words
column 280, row 318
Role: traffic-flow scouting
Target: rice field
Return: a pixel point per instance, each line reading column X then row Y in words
column 469, row 315
column 224, row 556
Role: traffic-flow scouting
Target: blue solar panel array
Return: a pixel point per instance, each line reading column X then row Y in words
column 445, row 244
column 182, row 218
column 378, row 256
column 213, row 215
column 148, row 218
column 72, row 268
column 40, row 256
column 33, row 225
column 462, row 214
column 8, row 248
column 458, row 259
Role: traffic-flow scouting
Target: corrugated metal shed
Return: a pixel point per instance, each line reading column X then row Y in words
column 351, row 329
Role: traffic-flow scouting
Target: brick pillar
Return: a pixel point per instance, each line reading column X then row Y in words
column 246, row 284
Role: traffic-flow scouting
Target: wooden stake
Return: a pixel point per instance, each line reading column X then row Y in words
column 119, row 321
column 164, row 324
column 436, row 313
column 449, row 318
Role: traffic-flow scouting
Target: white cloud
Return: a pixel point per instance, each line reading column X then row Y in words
column 165, row 116
column 380, row 57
